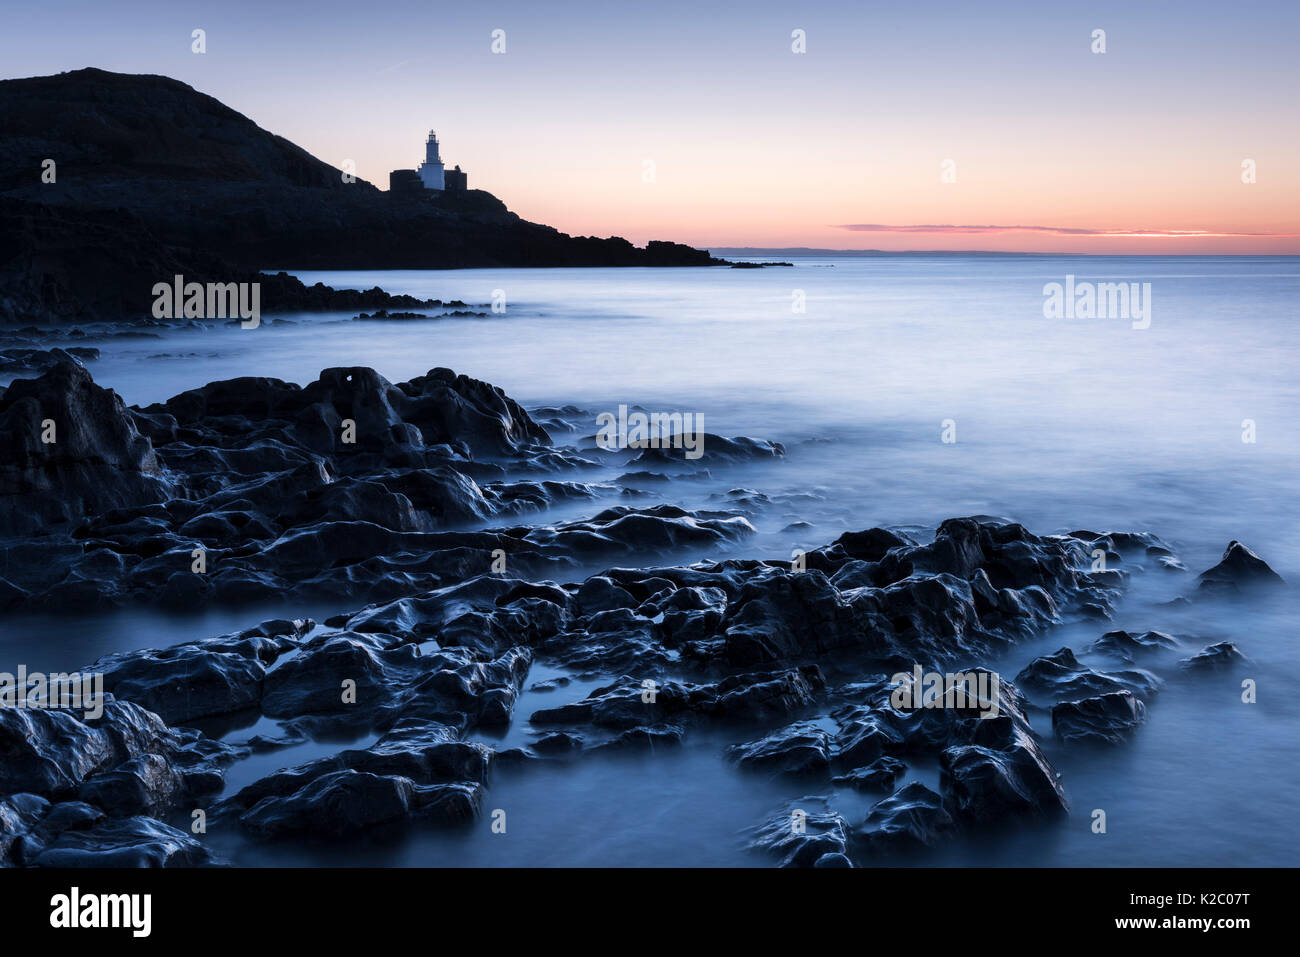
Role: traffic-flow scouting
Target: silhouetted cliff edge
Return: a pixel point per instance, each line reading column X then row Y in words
column 154, row 178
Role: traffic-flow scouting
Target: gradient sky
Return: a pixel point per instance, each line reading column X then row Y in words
column 752, row 144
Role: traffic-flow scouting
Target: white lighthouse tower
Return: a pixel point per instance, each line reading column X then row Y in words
column 431, row 172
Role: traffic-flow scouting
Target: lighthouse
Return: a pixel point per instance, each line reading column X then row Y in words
column 431, row 173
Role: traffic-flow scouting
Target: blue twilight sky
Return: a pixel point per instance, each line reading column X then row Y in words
column 1139, row 149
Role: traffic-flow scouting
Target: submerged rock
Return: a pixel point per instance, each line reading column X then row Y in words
column 803, row 834
column 1105, row 719
column 880, row 775
column 1239, row 567
column 1063, row 677
column 346, row 802
column 125, row 842
column 1127, row 647
column 797, row 749
column 1223, row 654
column 910, row 818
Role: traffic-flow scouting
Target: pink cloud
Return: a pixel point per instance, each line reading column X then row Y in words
column 1059, row 231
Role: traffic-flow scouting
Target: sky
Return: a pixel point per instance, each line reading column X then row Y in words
column 908, row 125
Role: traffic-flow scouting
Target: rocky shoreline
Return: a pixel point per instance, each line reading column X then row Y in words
column 404, row 500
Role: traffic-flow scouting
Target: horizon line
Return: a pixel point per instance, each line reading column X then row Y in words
column 820, row 251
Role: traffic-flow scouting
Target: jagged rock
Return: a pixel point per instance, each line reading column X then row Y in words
column 1239, row 567
column 1063, row 678
column 347, row 801
column 54, row 753
column 420, row 751
column 1106, row 719
column 628, row 703
column 988, row 785
column 337, row 803
column 96, row 460
column 880, row 775
column 186, row 681
column 803, row 834
column 713, row 449
column 911, row 817
column 388, row 683
column 124, row 842
column 558, row 742
column 644, row 738
column 1127, row 647
column 147, row 784
column 797, row 749
column 1223, row 654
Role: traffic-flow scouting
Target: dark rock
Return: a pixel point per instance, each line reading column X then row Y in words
column 644, row 738
column 558, row 742
column 881, row 774
column 1127, row 647
column 1223, row 654
column 988, row 786
column 124, row 842
column 1241, row 567
column 1106, row 719
column 1063, row 678
column 797, row 749
column 911, row 817
column 803, row 834
column 147, row 784
column 97, row 461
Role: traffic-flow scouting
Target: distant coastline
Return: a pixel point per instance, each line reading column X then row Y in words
column 805, row 252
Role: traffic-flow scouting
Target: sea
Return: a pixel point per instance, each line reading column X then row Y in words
column 906, row 389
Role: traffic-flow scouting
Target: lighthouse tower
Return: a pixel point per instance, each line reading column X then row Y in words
column 431, row 172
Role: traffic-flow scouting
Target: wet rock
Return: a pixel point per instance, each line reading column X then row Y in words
column 558, row 742
column 801, row 835
column 864, row 735
column 833, row 859
column 1106, row 719
column 1063, row 678
column 18, row 814
column 713, row 449
column 348, row 801
column 599, row 593
column 881, row 774
column 124, row 842
column 644, row 739
column 96, row 461
column 798, row 749
column 49, row 752
column 628, row 702
column 185, row 681
column 759, row 696
column 54, row 753
column 419, row 751
column 147, row 784
column 361, row 676
column 910, row 818
column 989, row 786
column 338, row 803
column 1239, row 567
column 1223, row 654
column 1128, row 647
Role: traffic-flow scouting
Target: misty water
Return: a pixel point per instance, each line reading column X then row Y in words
column 1060, row 424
